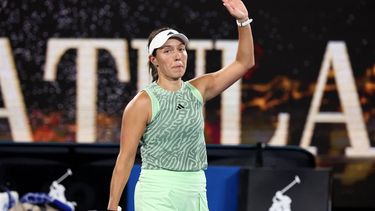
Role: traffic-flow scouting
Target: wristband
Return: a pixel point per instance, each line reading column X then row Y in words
column 244, row 23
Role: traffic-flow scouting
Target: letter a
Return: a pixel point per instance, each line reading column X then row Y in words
column 337, row 55
column 14, row 106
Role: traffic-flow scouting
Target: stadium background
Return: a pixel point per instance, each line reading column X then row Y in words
column 290, row 41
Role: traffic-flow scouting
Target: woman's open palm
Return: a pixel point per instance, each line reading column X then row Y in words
column 236, row 8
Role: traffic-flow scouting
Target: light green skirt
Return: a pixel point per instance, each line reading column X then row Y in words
column 163, row 190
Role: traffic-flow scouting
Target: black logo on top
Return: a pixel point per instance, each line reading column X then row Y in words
column 179, row 106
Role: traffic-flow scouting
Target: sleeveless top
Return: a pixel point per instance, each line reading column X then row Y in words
column 174, row 138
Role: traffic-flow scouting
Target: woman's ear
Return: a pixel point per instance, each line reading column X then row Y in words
column 153, row 60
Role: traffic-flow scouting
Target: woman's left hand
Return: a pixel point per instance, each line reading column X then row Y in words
column 236, row 8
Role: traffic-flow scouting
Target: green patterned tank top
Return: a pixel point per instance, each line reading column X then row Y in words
column 174, row 138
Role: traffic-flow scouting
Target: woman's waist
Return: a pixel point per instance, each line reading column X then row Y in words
column 194, row 180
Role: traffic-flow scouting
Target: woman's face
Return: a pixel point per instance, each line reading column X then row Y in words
column 171, row 59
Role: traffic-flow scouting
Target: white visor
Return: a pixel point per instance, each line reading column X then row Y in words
column 160, row 39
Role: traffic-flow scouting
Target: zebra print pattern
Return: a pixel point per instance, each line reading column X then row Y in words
column 174, row 139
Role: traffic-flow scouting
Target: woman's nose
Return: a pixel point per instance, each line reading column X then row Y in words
column 178, row 55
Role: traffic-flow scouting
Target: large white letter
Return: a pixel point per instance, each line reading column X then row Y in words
column 144, row 76
column 200, row 47
column 337, row 55
column 12, row 96
column 280, row 137
column 87, row 79
column 230, row 99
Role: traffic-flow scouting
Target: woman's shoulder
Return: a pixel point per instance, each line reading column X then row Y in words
column 140, row 100
column 140, row 106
